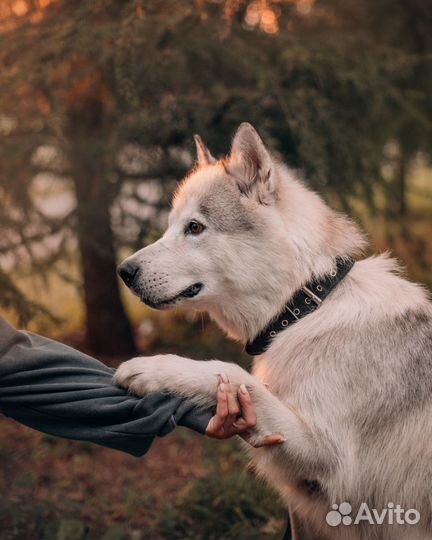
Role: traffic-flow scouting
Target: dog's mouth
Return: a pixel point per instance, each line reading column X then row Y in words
column 189, row 292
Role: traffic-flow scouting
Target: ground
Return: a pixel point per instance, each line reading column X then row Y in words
column 185, row 488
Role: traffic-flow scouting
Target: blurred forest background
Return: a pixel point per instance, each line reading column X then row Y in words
column 99, row 100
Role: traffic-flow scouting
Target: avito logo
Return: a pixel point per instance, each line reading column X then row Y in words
column 392, row 514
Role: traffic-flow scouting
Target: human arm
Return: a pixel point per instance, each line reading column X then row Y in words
column 61, row 391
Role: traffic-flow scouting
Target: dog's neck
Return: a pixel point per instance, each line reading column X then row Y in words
column 244, row 317
column 307, row 249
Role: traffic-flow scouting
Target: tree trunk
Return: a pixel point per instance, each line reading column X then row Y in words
column 401, row 185
column 396, row 201
column 108, row 329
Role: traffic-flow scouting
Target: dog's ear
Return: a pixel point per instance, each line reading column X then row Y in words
column 204, row 156
column 252, row 166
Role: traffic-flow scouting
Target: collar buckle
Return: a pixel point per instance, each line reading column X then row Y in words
column 316, row 299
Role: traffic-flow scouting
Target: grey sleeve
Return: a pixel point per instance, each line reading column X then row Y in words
column 58, row 390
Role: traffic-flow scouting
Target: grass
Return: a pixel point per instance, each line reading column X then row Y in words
column 227, row 503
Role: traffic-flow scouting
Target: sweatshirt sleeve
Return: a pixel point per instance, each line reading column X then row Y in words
column 58, row 390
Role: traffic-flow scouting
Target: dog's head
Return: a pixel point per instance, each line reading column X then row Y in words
column 231, row 238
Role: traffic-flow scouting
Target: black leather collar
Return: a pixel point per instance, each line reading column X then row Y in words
column 305, row 301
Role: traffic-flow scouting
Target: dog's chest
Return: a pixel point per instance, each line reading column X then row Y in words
column 293, row 372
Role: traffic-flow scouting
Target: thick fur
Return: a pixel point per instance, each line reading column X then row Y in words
column 350, row 385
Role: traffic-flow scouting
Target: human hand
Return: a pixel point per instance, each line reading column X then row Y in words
column 235, row 415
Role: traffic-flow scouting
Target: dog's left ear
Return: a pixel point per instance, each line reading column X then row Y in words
column 252, row 166
column 204, row 156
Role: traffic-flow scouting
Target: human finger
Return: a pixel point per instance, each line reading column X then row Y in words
column 218, row 420
column 269, row 440
column 233, row 406
column 248, row 417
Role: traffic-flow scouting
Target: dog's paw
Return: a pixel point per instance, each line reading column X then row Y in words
column 128, row 375
column 143, row 375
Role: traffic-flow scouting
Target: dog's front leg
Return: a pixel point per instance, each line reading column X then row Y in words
column 197, row 380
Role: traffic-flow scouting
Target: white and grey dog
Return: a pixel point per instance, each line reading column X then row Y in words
column 349, row 385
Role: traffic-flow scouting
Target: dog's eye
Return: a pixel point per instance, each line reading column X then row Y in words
column 194, row 227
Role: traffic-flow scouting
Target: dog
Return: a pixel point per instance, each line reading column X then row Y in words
column 349, row 385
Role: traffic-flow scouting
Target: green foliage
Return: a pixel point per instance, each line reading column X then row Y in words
column 231, row 508
column 71, row 529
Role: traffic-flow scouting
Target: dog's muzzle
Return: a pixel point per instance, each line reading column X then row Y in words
column 129, row 271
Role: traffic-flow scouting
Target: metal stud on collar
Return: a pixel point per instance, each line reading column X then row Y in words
column 293, row 313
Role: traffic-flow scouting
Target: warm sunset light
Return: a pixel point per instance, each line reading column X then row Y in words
column 20, row 8
column 265, row 14
column 14, row 12
column 260, row 14
column 304, row 6
column 269, row 22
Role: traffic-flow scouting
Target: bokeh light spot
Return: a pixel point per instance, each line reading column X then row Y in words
column 20, row 8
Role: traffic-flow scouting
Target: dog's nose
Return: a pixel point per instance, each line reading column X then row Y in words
column 127, row 271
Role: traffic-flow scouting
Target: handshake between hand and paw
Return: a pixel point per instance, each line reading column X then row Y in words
column 235, row 415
